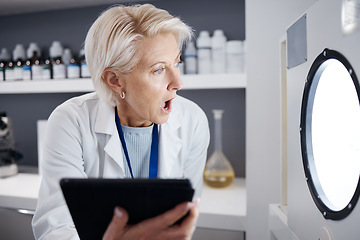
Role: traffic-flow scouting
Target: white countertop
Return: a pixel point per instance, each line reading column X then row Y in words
column 20, row 191
column 224, row 208
column 219, row 208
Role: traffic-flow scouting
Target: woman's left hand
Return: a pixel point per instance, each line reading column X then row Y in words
column 160, row 227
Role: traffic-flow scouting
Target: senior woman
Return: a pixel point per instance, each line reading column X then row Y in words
column 133, row 54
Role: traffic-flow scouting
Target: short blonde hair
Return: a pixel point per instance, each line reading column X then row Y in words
column 112, row 39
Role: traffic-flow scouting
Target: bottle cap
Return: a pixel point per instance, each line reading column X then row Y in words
column 4, row 55
column 217, row 113
column 33, row 47
column 19, row 52
column 82, row 52
column 66, row 57
column 218, row 40
column 203, row 40
column 56, row 49
column 219, row 33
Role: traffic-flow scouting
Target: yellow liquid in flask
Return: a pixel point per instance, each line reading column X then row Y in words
column 219, row 179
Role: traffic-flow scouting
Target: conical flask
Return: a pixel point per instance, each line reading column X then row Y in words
column 218, row 171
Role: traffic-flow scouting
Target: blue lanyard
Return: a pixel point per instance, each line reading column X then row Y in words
column 153, row 167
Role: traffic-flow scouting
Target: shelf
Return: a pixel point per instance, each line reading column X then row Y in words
column 224, row 208
column 206, row 81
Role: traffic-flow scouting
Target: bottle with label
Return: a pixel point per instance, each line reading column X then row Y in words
column 58, row 66
column 19, row 61
column 47, row 70
column 218, row 51
column 235, row 56
column 4, row 58
column 73, row 68
column 37, row 69
column 9, row 71
column 27, row 70
column 2, row 70
column 9, row 65
column 34, row 60
column 218, row 171
column 72, row 65
column 84, row 68
column 204, row 52
column 190, row 57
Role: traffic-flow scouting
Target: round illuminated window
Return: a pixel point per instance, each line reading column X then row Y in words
column 330, row 134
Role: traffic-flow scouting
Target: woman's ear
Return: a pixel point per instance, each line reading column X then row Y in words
column 112, row 80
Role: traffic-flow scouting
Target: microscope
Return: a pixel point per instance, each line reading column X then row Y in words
column 8, row 154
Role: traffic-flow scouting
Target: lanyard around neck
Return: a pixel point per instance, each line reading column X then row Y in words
column 154, row 154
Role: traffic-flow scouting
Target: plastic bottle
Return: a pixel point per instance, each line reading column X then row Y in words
column 58, row 66
column 19, row 61
column 72, row 65
column 2, row 70
column 84, row 68
column 4, row 58
column 37, row 68
column 235, row 56
column 32, row 53
column 218, row 51
column 9, row 71
column 204, row 52
column 47, row 70
column 190, row 57
column 9, row 65
column 34, row 56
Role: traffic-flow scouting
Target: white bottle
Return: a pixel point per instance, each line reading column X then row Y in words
column 9, row 66
column 190, row 58
column 83, row 65
column 4, row 60
column 72, row 66
column 19, row 61
column 59, row 68
column 204, row 52
column 218, row 51
column 235, row 60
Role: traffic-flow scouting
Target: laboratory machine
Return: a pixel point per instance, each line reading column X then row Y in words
column 323, row 119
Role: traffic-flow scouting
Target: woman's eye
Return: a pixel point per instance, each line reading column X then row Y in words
column 159, row 71
column 178, row 63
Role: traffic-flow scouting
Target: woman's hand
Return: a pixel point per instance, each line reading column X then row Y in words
column 158, row 228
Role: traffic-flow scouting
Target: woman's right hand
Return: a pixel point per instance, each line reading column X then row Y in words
column 161, row 227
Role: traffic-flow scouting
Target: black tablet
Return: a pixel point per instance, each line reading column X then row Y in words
column 92, row 201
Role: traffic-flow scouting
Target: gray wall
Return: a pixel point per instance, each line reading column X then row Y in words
column 70, row 27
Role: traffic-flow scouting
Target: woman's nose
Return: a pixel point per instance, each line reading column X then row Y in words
column 175, row 82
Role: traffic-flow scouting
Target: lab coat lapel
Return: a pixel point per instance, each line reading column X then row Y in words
column 169, row 147
column 113, row 165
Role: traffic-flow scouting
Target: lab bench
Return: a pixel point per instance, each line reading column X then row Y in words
column 222, row 211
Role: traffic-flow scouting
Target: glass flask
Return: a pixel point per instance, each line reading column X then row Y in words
column 218, row 171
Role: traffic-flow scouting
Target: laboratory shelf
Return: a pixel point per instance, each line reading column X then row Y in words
column 198, row 81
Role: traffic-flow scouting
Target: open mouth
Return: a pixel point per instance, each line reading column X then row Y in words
column 166, row 106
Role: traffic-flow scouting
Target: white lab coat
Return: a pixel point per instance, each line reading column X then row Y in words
column 82, row 141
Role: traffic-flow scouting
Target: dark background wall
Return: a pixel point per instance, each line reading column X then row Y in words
column 70, row 27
